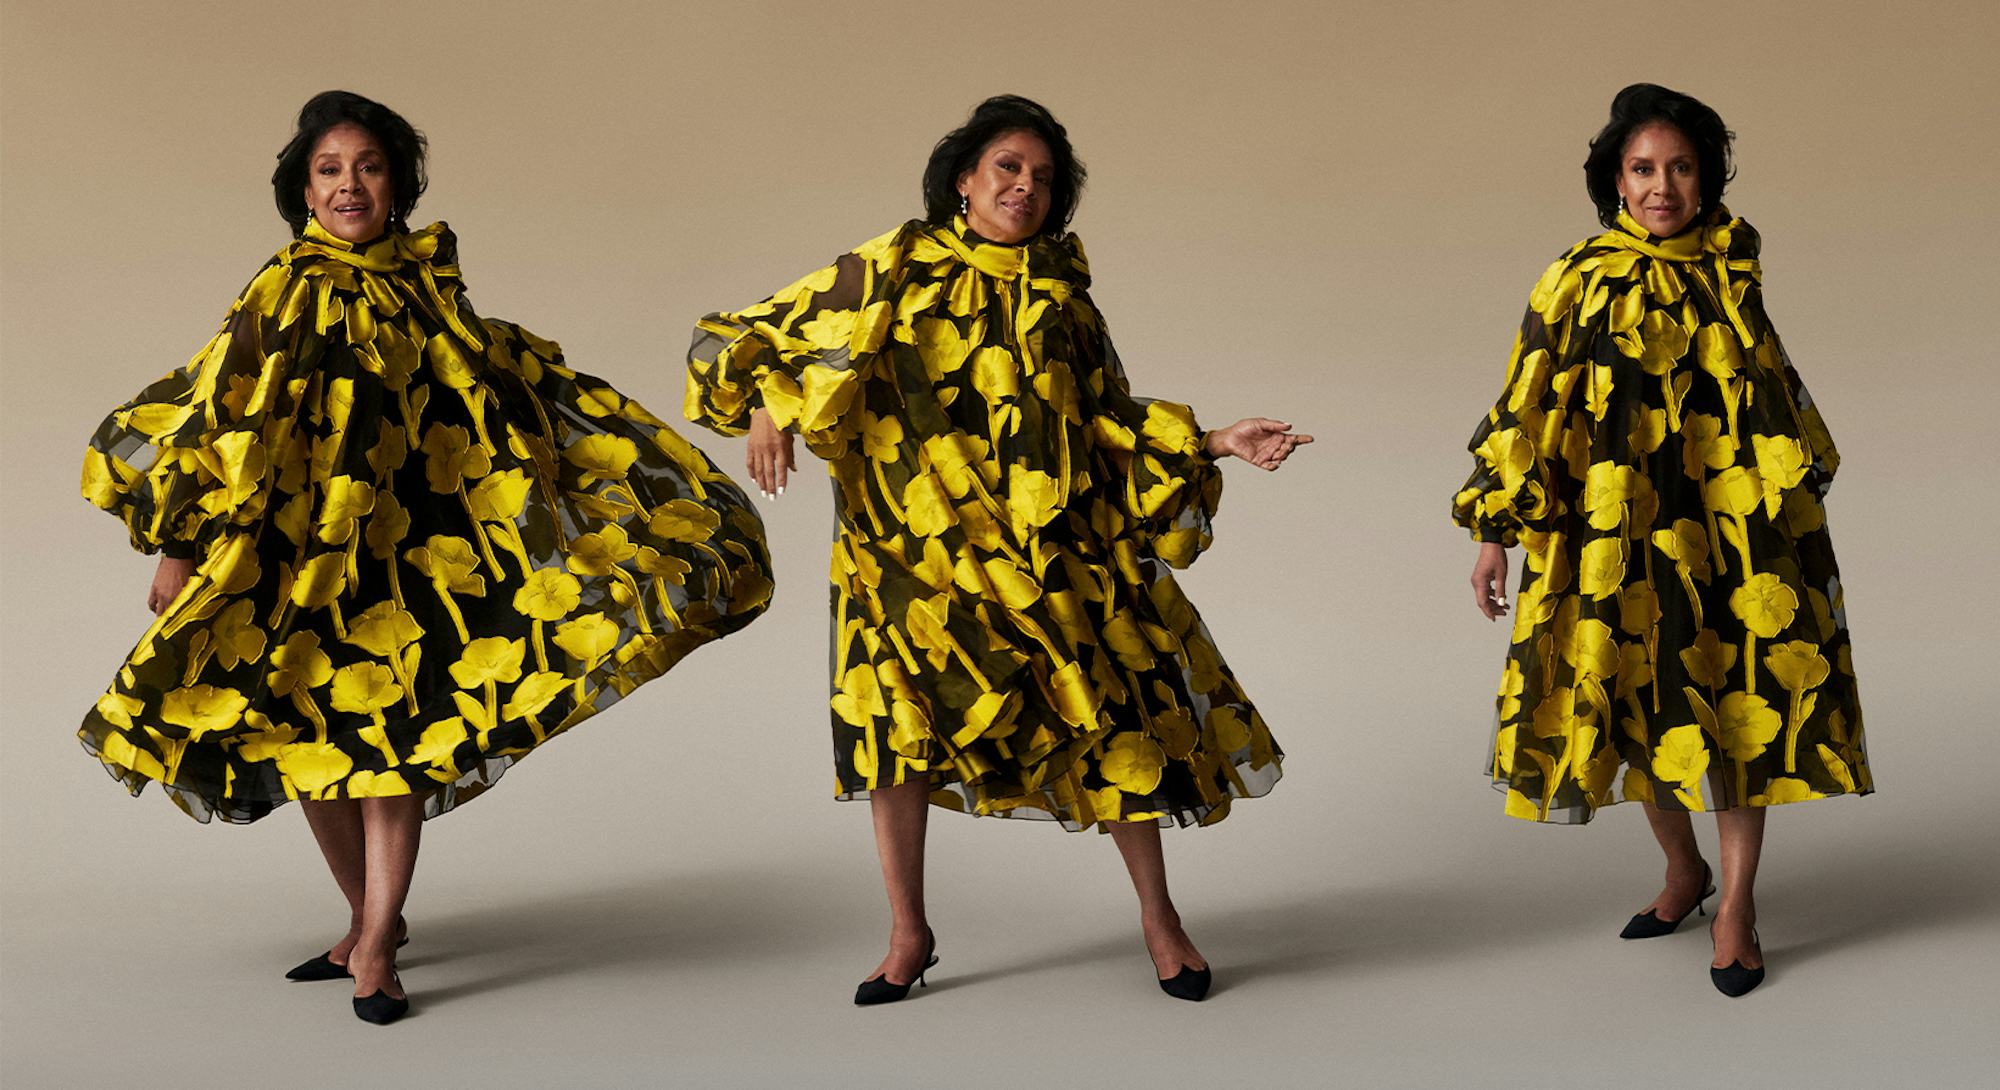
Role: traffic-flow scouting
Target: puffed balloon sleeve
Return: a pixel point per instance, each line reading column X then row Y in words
column 1680, row 631
column 1006, row 626
column 427, row 545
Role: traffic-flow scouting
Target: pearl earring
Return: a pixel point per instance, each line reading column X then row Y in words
column 964, row 204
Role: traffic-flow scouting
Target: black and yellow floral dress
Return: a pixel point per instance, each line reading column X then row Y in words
column 427, row 545
column 1006, row 625
column 1680, row 614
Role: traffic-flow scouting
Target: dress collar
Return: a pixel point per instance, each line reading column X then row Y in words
column 385, row 254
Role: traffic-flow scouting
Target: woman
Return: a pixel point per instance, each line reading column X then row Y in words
column 1656, row 454
column 1008, row 639
column 402, row 546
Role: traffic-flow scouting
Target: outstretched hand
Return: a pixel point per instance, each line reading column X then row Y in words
column 168, row 579
column 1262, row 442
column 769, row 457
column 1489, row 580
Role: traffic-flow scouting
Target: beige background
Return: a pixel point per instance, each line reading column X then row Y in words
column 1329, row 212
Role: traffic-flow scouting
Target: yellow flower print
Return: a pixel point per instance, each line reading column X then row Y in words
column 1636, row 786
column 601, row 550
column 299, row 665
column 928, row 510
column 684, row 521
column 1133, row 763
column 535, row 692
column 910, row 733
column 1521, row 806
column 1510, row 454
column 383, row 630
column 1591, row 650
column 1511, row 684
column 346, row 501
column 1601, row 571
column 451, row 563
column 1709, row 660
column 1747, row 724
column 1784, row 789
column 487, row 660
column 265, row 738
column 1764, row 604
column 1638, row 608
column 376, row 785
column 1836, row 768
column 1781, row 462
column 203, row 709
column 1032, row 496
column 960, row 461
column 320, row 580
column 601, row 457
column 1232, row 734
column 1704, row 447
column 1797, row 665
column 1664, row 339
column 587, row 638
column 236, row 637
column 499, row 497
column 1557, row 291
column 996, row 374
column 1504, row 748
column 451, row 456
column 118, row 709
column 881, row 437
column 548, row 594
column 387, row 527
column 1803, row 513
column 1635, row 668
column 391, row 449
column 1649, row 430
column 1075, row 698
column 1681, row 757
column 859, row 700
column 312, row 767
column 365, row 688
column 1556, row 713
column 1736, row 491
column 991, row 716
column 437, row 744
column 670, row 568
column 1606, row 488
column 1717, row 353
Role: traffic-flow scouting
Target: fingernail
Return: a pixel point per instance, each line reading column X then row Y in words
column 781, row 490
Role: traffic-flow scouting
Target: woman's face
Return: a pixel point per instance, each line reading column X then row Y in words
column 1007, row 193
column 347, row 184
column 1660, row 178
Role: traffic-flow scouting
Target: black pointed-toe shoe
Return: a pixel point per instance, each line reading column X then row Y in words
column 324, row 967
column 880, row 989
column 1190, row 984
column 1733, row 979
column 380, row 1007
column 1649, row 925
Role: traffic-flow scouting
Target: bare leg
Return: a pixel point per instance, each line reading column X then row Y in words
column 1674, row 830
column 1169, row 945
column 1742, row 832
column 336, row 825
column 902, row 815
column 392, row 829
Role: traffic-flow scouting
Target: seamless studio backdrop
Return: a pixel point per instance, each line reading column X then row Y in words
column 1329, row 213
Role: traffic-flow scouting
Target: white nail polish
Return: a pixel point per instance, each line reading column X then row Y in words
column 781, row 490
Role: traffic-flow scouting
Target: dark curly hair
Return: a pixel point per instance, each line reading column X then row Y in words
column 1643, row 104
column 960, row 149
column 403, row 144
